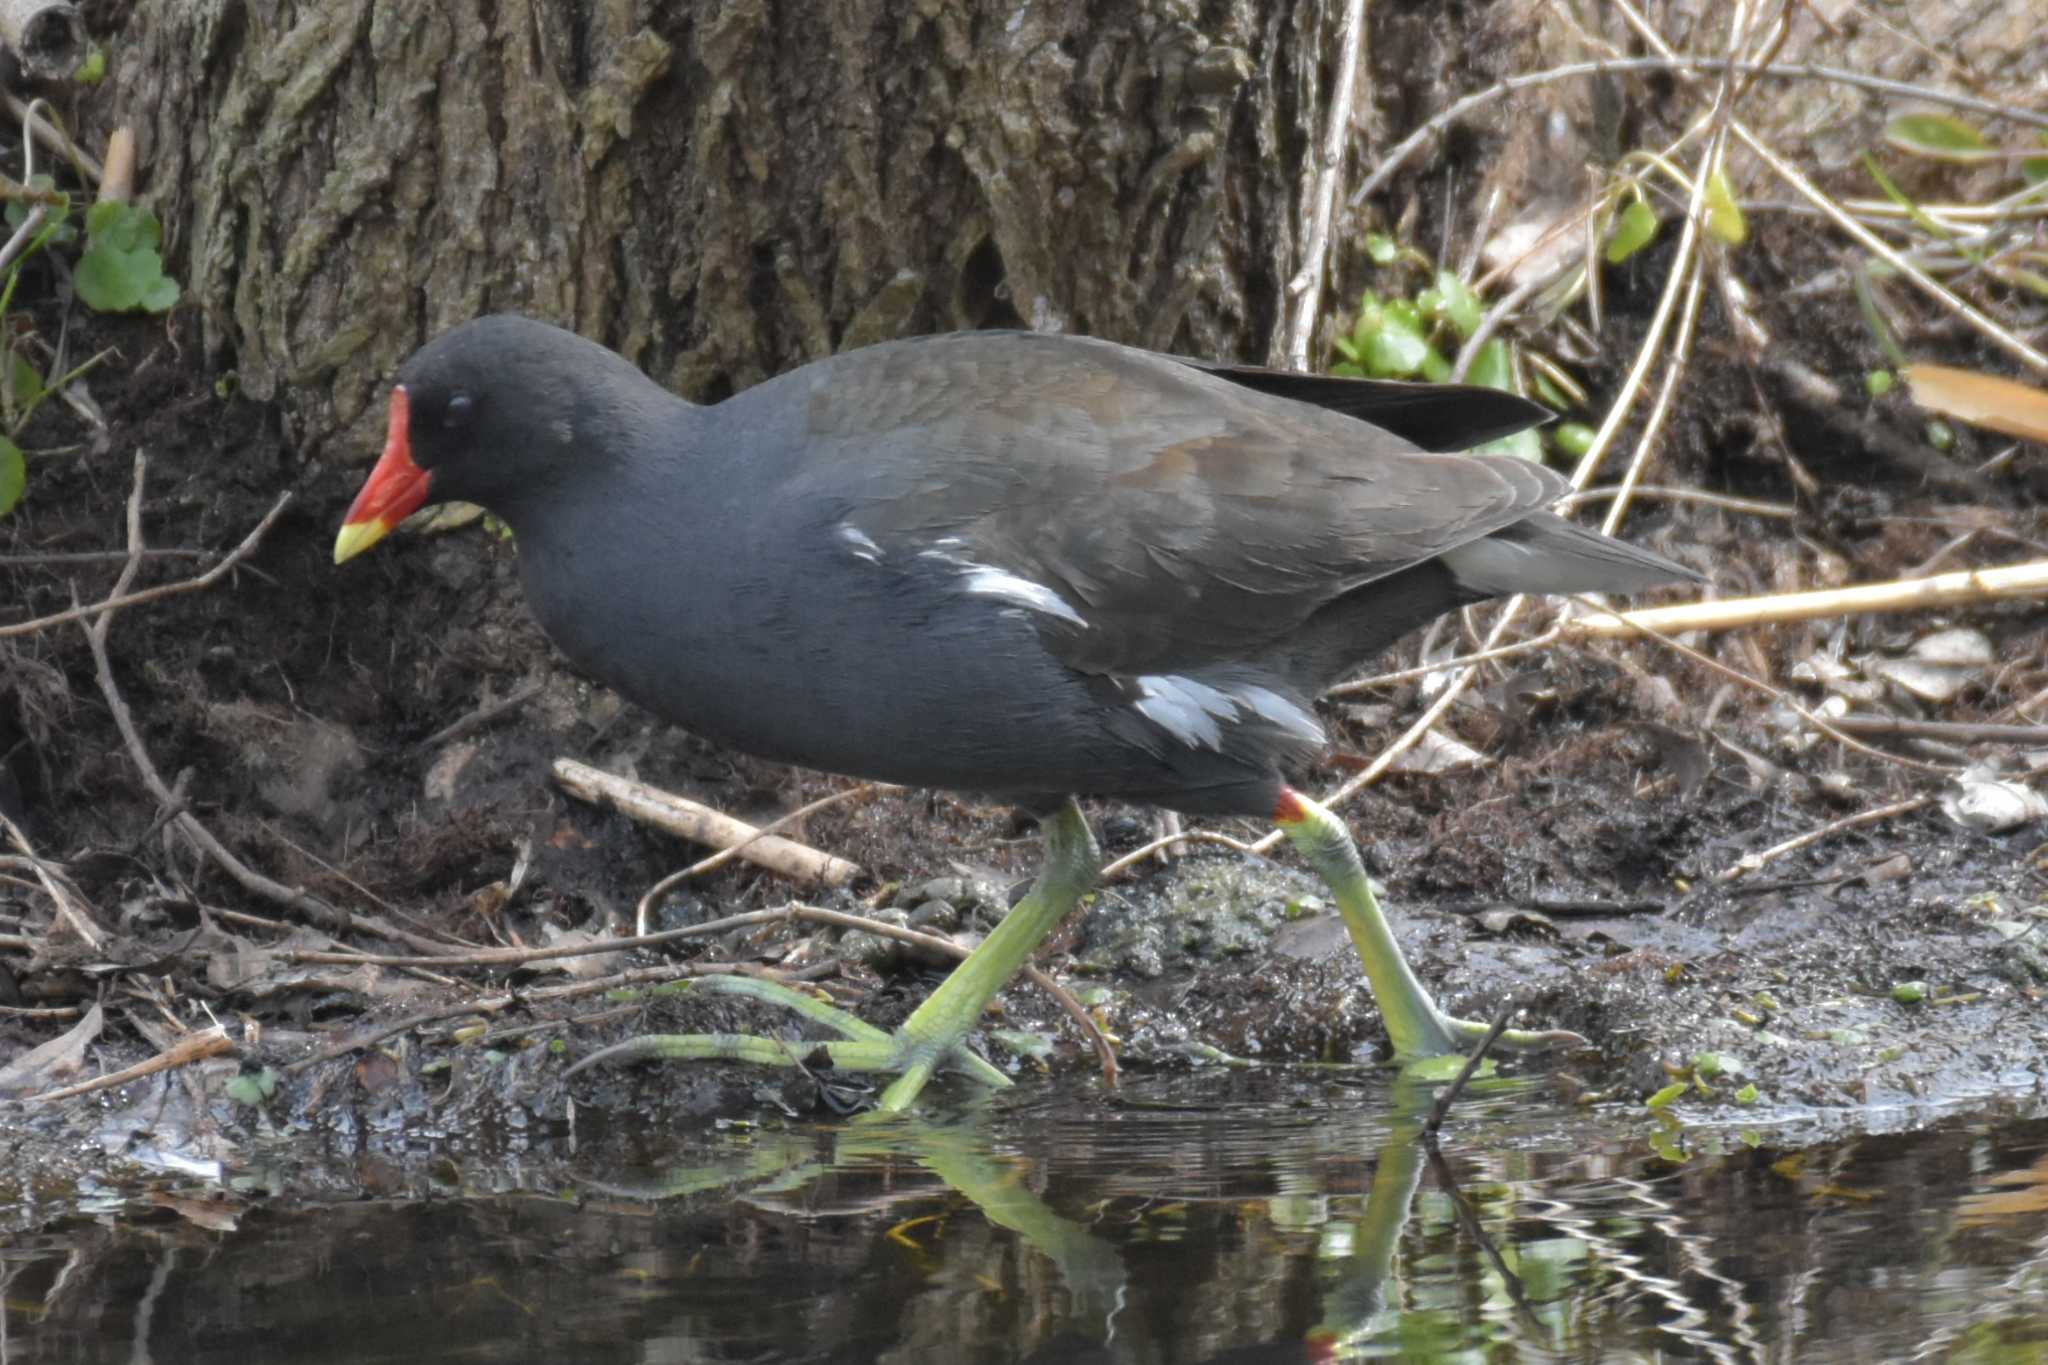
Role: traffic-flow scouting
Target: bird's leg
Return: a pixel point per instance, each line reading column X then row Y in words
column 934, row 1036
column 1416, row 1026
column 939, row 1027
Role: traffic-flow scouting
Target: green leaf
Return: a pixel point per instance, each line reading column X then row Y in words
column 1724, row 215
column 1635, row 227
column 1494, row 366
column 1665, row 1097
column 107, row 280
column 13, row 476
column 1457, row 304
column 120, row 270
column 1749, row 1094
column 1395, row 352
column 1909, row 992
column 1878, row 383
column 1941, row 136
column 253, row 1087
column 93, row 69
column 161, row 294
column 124, row 227
column 28, row 384
column 1381, row 249
column 2034, row 169
column 1573, row 438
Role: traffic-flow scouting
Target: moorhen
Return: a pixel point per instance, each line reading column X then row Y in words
column 1029, row 566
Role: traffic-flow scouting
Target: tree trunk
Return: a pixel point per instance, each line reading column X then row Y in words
column 718, row 188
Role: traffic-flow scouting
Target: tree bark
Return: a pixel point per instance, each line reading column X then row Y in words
column 718, row 188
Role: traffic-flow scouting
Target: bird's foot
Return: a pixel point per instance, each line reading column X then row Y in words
column 1469, row 1033
column 1415, row 1024
column 934, row 1037
column 861, row 1047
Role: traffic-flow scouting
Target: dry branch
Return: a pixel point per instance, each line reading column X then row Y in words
column 1969, row 588
column 700, row 824
column 95, row 622
column 193, row 1047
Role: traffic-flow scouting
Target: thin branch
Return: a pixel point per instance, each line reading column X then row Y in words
column 1407, row 147
column 122, row 598
column 1835, row 214
column 68, row 910
column 95, row 623
column 193, row 1047
column 1752, row 861
column 644, row 910
column 1186, row 836
column 1306, row 288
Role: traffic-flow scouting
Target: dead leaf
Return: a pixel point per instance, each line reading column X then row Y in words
column 61, row 1057
column 212, row 1214
column 1982, row 400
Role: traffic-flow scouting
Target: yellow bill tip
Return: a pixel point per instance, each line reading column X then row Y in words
column 358, row 536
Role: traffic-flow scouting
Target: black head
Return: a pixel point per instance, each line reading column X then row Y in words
column 498, row 411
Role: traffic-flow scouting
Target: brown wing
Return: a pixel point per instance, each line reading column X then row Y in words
column 1177, row 518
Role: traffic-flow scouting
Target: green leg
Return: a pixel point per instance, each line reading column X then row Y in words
column 939, row 1027
column 934, row 1037
column 1417, row 1027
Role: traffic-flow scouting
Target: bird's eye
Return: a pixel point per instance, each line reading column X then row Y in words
column 461, row 408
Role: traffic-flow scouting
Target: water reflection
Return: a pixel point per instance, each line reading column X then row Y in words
column 1265, row 1216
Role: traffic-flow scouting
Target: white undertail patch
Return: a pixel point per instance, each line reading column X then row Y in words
column 1195, row 712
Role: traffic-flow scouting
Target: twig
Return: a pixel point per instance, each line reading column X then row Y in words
column 700, row 824
column 1449, row 1094
column 1306, row 288
column 1966, row 588
column 1835, row 214
column 1957, row 731
column 477, row 719
column 1186, row 836
column 121, row 598
column 67, row 909
column 516, row 957
column 193, row 1047
column 370, row 1038
column 1398, row 155
column 644, row 910
column 1750, row 862
column 1480, row 656
column 492, row 1004
column 1474, row 1229
column 1784, row 699
column 95, row 630
column 1755, row 507
column 1674, row 370
column 54, row 138
column 23, row 235
column 34, row 561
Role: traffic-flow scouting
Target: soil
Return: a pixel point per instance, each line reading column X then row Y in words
column 1577, row 870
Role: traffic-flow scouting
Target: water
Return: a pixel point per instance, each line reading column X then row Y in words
column 1229, row 1217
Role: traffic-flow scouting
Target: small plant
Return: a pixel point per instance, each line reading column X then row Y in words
column 1397, row 337
column 120, row 270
